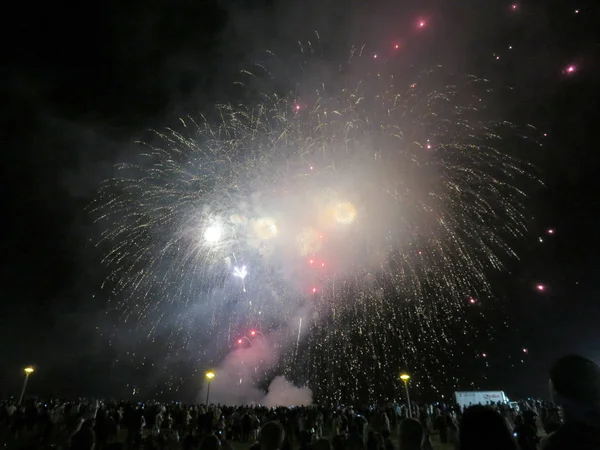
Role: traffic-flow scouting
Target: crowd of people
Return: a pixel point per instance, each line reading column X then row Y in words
column 571, row 421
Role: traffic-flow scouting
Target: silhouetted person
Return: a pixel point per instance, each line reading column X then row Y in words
column 84, row 438
column 321, row 444
column 440, row 424
column 339, row 442
column 575, row 386
column 483, row 428
column 246, row 426
column 210, row 442
column 411, row 434
column 526, row 431
column 374, row 441
column 387, row 440
column 355, row 440
column 271, row 436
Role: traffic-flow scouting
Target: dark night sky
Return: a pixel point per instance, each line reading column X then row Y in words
column 81, row 82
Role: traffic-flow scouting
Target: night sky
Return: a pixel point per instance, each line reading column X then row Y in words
column 80, row 83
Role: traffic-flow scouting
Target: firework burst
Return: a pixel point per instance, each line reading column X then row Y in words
column 385, row 203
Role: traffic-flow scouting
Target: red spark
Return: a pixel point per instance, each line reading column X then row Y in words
column 484, row 355
column 297, row 107
column 551, row 231
column 472, row 301
column 314, row 290
column 375, row 56
column 397, row 46
column 322, row 264
column 421, row 23
column 239, row 341
column 253, row 332
column 514, row 6
column 571, row 69
column 525, row 350
column 310, row 261
column 541, row 287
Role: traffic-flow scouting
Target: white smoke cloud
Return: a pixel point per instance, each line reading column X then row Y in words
column 283, row 393
column 237, row 377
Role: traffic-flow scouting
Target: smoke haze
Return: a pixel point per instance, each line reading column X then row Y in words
column 237, row 378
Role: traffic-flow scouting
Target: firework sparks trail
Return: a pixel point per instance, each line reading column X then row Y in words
column 241, row 274
column 399, row 192
column 299, row 332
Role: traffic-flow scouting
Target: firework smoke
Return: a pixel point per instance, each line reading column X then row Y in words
column 381, row 203
column 238, row 376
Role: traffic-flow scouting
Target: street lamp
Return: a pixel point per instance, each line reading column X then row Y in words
column 209, row 377
column 28, row 371
column 405, row 377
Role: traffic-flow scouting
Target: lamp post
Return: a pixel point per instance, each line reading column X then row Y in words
column 405, row 377
column 28, row 371
column 209, row 377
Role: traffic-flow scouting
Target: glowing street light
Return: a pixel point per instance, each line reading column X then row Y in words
column 28, row 371
column 209, row 377
column 405, row 377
